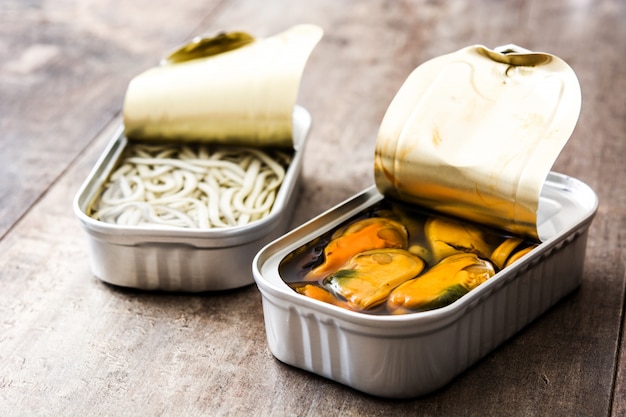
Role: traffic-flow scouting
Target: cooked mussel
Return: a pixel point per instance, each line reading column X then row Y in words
column 444, row 283
column 321, row 294
column 502, row 253
column 517, row 255
column 362, row 235
column 447, row 237
column 367, row 278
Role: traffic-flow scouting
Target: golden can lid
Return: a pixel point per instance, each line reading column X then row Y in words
column 475, row 133
column 231, row 88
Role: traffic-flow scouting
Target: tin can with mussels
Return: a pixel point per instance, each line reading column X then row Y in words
column 466, row 237
column 409, row 355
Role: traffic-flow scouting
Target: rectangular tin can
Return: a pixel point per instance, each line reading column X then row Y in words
column 188, row 260
column 405, row 356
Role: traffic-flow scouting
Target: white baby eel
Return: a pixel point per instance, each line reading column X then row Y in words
column 187, row 186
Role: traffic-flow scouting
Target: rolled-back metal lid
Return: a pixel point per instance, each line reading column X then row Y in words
column 475, row 133
column 231, row 88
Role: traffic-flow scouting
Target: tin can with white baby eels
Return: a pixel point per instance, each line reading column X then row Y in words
column 158, row 257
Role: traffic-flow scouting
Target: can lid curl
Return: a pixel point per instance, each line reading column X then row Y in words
column 475, row 133
column 229, row 89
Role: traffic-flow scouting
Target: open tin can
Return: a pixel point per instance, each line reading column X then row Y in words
column 180, row 259
column 426, row 160
column 185, row 194
column 403, row 356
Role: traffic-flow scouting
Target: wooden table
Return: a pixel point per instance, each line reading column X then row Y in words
column 71, row 345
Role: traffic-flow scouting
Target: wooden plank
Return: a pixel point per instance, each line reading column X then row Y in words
column 65, row 68
column 71, row 345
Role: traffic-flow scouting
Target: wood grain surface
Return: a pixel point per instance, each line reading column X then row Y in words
column 71, row 345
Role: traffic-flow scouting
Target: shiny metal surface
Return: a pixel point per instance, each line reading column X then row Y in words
column 474, row 134
column 244, row 94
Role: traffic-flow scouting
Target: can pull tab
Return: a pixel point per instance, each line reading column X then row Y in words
column 203, row 46
column 514, row 55
column 511, row 49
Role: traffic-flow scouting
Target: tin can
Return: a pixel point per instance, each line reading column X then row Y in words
column 189, row 260
column 473, row 135
column 405, row 356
